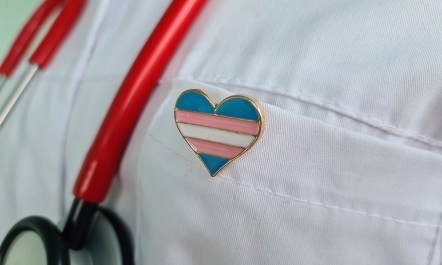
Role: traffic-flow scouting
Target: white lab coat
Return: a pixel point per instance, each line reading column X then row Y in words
column 348, row 170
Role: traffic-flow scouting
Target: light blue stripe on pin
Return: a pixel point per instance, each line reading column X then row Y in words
column 234, row 107
column 193, row 101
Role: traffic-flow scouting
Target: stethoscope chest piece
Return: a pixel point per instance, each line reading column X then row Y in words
column 35, row 240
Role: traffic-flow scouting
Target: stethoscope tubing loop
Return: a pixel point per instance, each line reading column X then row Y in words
column 57, row 252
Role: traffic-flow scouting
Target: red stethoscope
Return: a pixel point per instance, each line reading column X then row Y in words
column 40, row 58
column 89, row 226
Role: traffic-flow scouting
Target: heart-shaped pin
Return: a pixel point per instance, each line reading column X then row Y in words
column 218, row 133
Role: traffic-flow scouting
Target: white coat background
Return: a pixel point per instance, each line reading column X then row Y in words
column 348, row 170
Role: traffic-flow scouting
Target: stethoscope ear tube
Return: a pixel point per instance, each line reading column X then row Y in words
column 63, row 24
column 59, row 30
column 26, row 35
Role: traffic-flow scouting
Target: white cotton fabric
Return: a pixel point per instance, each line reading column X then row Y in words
column 347, row 171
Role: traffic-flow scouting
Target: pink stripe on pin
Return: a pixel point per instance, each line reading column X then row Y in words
column 219, row 122
column 210, row 148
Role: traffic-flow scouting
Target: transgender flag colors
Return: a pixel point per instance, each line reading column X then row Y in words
column 218, row 133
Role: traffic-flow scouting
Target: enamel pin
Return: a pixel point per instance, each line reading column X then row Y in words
column 218, row 133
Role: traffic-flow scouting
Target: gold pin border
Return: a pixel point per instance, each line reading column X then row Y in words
column 255, row 103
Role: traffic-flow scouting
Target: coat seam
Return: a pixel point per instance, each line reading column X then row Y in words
column 432, row 251
column 307, row 202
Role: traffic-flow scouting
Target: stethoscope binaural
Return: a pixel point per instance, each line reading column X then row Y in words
column 59, row 30
column 87, row 220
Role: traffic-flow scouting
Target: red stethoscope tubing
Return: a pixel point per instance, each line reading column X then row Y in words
column 103, row 159
column 105, row 154
column 26, row 35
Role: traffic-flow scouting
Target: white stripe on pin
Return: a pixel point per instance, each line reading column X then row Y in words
column 216, row 135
